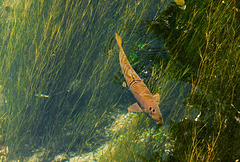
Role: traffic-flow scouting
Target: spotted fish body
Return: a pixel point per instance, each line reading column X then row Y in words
column 146, row 102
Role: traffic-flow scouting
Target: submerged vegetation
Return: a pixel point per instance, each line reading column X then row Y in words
column 205, row 37
column 201, row 49
column 59, row 68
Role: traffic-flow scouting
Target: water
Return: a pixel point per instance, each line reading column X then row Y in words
column 61, row 94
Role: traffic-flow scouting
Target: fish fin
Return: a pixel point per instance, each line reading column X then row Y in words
column 135, row 108
column 124, row 84
column 119, row 40
column 156, row 97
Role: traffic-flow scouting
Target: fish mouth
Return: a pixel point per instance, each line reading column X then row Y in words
column 160, row 122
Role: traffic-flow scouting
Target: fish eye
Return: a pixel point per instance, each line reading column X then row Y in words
column 150, row 108
column 153, row 110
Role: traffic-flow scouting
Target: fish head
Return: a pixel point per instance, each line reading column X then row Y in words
column 154, row 112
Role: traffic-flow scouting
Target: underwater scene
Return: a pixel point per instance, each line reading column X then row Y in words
column 116, row 81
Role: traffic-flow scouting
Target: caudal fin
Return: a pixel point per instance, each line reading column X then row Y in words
column 119, row 40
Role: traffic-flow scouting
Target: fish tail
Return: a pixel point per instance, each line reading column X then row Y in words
column 119, row 40
column 122, row 57
column 124, row 63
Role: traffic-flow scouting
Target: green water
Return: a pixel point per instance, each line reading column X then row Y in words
column 61, row 80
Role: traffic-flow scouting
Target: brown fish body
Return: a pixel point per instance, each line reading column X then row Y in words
column 146, row 102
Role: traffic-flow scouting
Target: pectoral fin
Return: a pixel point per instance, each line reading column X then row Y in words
column 124, row 84
column 156, row 97
column 135, row 108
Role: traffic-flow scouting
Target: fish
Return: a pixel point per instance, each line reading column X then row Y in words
column 146, row 102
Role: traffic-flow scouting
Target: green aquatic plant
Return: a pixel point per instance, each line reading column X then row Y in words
column 57, row 69
column 205, row 37
column 202, row 45
column 132, row 57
